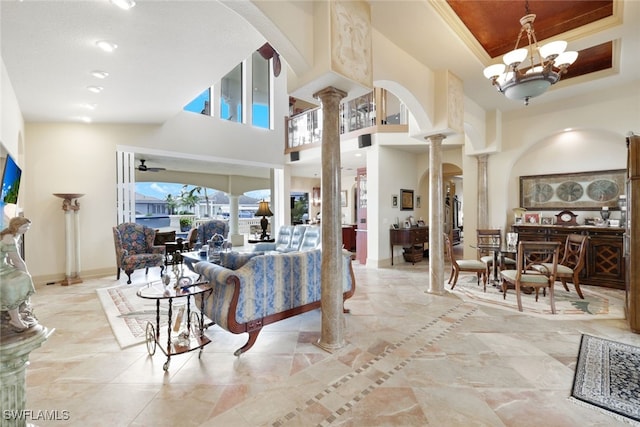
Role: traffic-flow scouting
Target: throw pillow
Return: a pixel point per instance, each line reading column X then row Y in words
column 235, row 260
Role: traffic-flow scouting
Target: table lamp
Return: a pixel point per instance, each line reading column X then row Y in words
column 264, row 212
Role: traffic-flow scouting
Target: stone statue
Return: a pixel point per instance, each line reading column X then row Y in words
column 16, row 285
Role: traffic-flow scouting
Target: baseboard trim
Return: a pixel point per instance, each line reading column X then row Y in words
column 53, row 279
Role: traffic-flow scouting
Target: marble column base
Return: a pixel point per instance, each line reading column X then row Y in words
column 14, row 358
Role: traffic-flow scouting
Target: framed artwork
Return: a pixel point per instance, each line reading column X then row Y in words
column 406, row 224
column 532, row 218
column 418, row 201
column 394, row 201
column 406, row 200
column 577, row 191
column 343, row 198
column 421, row 223
column 546, row 220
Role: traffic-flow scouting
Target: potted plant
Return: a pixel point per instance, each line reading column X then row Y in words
column 185, row 223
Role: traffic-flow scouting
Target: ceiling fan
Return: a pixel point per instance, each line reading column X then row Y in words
column 145, row 168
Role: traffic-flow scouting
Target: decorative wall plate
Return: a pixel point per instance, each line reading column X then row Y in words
column 569, row 191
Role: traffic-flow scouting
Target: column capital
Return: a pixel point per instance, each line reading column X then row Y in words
column 330, row 91
column 437, row 138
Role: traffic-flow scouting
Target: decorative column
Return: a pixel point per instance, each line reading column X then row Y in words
column 236, row 239
column 72, row 237
column 14, row 358
column 332, row 337
column 436, row 200
column 483, row 192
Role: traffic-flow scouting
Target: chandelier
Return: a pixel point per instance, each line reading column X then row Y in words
column 529, row 71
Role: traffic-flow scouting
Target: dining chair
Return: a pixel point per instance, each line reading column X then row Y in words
column 533, row 258
column 572, row 263
column 469, row 265
column 485, row 239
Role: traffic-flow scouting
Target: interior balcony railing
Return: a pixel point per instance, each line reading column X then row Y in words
column 376, row 112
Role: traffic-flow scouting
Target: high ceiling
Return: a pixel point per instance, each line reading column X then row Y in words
column 169, row 51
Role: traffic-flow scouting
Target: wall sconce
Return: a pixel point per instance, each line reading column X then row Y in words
column 315, row 196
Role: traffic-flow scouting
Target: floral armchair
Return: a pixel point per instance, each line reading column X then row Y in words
column 135, row 249
column 208, row 229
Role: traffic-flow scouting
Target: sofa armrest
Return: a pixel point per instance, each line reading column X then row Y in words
column 217, row 303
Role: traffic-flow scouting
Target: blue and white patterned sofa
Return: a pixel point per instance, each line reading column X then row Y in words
column 265, row 288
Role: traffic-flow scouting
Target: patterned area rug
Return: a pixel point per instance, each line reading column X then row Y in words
column 608, row 377
column 600, row 303
column 127, row 313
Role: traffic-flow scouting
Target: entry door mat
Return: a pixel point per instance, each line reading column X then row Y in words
column 608, row 377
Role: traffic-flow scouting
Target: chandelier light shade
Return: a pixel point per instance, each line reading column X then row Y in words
column 264, row 212
column 529, row 71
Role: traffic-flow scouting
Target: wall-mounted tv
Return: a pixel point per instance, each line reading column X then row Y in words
column 10, row 181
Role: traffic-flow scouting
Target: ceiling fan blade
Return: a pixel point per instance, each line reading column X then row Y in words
column 144, row 168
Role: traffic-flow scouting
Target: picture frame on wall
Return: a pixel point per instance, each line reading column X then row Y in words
column 394, row 200
column 577, row 191
column 418, row 201
column 406, row 200
column 343, row 198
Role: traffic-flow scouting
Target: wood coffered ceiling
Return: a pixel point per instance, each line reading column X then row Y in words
column 495, row 25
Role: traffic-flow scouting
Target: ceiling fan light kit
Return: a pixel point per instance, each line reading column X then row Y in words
column 528, row 72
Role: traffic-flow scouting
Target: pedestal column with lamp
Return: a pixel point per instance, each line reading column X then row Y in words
column 71, row 207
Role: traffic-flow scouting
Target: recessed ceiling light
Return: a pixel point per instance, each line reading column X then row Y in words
column 124, row 4
column 100, row 74
column 86, row 119
column 106, row 46
column 358, row 154
column 95, row 89
column 89, row 106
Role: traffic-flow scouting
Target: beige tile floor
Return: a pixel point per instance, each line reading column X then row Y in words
column 410, row 359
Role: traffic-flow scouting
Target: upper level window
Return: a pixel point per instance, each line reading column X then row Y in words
column 231, row 95
column 260, row 107
column 201, row 104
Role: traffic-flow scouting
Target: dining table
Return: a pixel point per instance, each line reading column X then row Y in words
column 500, row 252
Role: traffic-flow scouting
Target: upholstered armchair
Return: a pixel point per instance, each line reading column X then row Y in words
column 208, row 229
column 135, row 249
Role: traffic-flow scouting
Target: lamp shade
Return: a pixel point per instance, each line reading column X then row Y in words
column 494, row 70
column 565, row 59
column 515, row 57
column 263, row 209
column 553, row 49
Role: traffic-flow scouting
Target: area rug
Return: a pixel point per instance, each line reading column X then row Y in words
column 127, row 313
column 597, row 304
column 608, row 377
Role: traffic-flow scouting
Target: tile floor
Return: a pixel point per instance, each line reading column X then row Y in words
column 410, row 359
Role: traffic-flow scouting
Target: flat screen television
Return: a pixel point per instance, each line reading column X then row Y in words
column 10, row 181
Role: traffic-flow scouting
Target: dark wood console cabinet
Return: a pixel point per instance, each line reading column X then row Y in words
column 349, row 237
column 605, row 265
column 409, row 238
